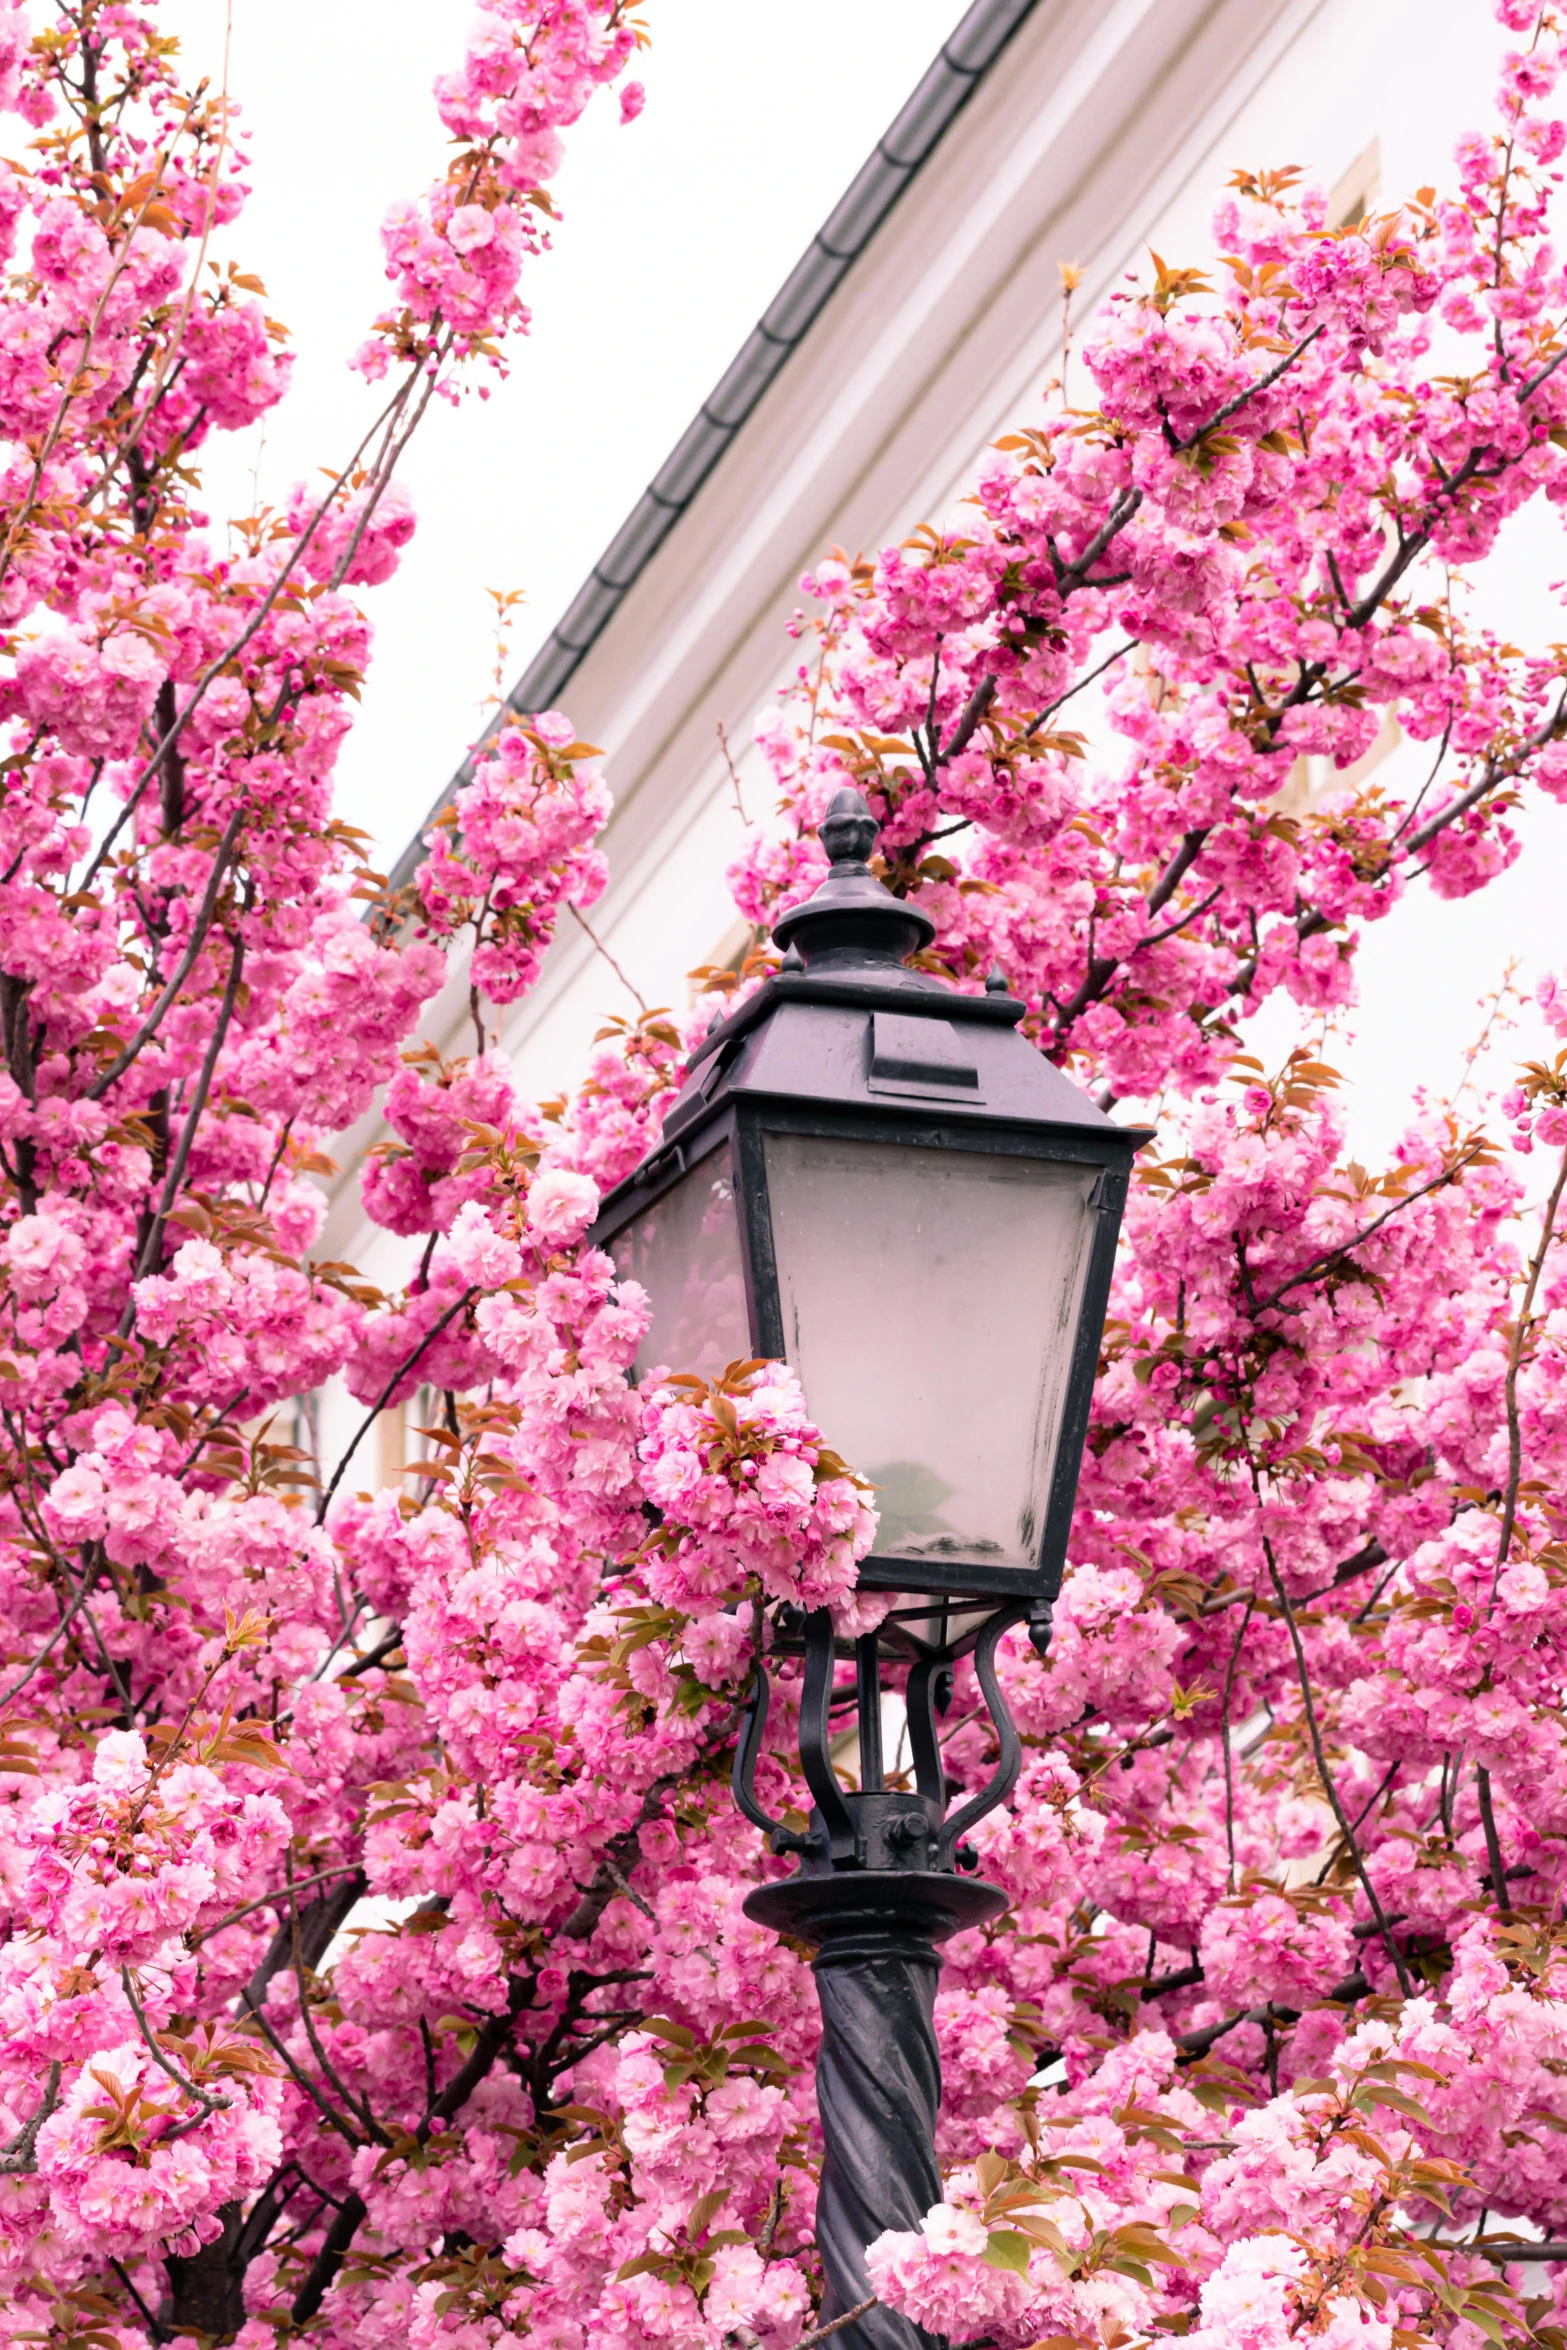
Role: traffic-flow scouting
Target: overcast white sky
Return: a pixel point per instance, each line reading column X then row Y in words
column 678, row 229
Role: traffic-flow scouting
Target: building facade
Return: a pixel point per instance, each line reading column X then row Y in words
column 924, row 320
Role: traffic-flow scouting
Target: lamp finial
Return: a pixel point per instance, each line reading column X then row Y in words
column 853, row 922
column 848, row 832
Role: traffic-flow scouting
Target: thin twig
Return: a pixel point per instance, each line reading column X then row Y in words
column 78, row 381
column 1263, row 383
column 1414, row 807
column 158, row 2332
column 348, row 1623
column 1494, row 1013
column 1343, row 1247
column 385, row 1396
column 231, row 652
column 1229, row 1759
column 1395, row 1917
column 805, row 2341
column 176, row 1175
column 346, row 1868
column 734, row 774
column 1352, row 1842
column 1494, row 772
column 53, row 1641
column 1156, row 938
column 586, row 925
column 176, row 340
column 630, row 1891
column 775, row 2208
column 188, row 2087
column 344, row 2129
column 1087, row 679
column 359, row 2107
column 1515, row 1353
column 1493, row 1845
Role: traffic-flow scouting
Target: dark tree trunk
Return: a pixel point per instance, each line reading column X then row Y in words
column 207, row 2288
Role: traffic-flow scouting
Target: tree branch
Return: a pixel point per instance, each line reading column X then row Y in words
column 1179, row 866
column 188, row 2087
column 821, row 2333
column 1515, row 1353
column 328, row 2260
column 969, row 718
column 1493, row 1843
column 22, row 2152
column 301, row 2077
column 198, row 939
column 1346, row 1830
column 147, row 1256
column 385, row 1396
column 1329, row 1256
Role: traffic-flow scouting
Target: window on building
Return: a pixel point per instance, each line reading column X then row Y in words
column 1354, row 193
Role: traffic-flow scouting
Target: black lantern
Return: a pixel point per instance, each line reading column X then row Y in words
column 879, row 1181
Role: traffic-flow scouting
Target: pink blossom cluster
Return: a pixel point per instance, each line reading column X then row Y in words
column 454, row 255
column 1185, row 515
column 168, row 2193
column 746, row 1488
column 125, row 1866
column 1278, row 2009
column 520, row 847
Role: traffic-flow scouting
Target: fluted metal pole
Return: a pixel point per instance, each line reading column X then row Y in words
column 878, row 2088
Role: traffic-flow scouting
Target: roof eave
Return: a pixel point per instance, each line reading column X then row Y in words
column 913, row 137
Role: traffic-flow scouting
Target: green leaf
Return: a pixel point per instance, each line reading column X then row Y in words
column 1378, row 2093
column 706, row 2209
column 663, row 2028
column 1007, row 2249
column 1133, row 2269
column 646, row 2264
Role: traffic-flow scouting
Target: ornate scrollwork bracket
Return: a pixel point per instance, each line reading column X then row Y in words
column 876, row 1826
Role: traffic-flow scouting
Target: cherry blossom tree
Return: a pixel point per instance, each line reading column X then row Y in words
column 1276, row 2025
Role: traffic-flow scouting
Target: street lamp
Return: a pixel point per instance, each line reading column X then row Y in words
column 879, row 1181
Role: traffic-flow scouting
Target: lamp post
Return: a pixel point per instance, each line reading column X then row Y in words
column 877, row 1180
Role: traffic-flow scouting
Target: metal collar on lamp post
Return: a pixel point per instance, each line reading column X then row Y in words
column 874, row 1177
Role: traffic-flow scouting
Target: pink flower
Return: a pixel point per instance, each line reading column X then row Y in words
column 485, row 1258
column 946, row 2229
column 41, row 1254
column 74, row 1504
column 469, row 227
column 561, row 1206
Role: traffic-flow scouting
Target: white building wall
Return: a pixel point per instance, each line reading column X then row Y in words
column 1104, row 129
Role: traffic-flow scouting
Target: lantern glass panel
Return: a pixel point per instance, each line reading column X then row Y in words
column 685, row 1251
column 930, row 1302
